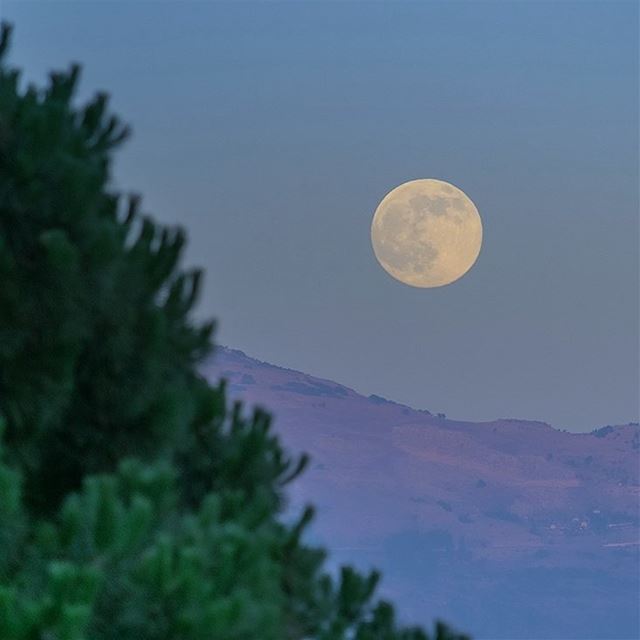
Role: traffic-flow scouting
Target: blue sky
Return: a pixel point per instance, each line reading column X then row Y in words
column 272, row 130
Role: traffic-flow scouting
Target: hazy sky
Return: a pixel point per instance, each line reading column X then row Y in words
column 271, row 132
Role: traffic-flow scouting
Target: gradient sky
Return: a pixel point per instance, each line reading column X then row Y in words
column 271, row 132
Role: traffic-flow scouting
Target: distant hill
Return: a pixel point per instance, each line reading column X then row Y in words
column 511, row 529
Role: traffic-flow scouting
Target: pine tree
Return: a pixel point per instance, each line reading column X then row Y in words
column 135, row 503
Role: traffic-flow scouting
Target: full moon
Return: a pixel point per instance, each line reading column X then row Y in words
column 426, row 233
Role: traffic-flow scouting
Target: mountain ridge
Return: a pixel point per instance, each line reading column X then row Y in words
column 225, row 349
column 463, row 517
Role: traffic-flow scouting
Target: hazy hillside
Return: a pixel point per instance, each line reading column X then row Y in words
column 512, row 529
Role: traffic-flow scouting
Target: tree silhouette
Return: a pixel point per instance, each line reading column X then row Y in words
column 135, row 503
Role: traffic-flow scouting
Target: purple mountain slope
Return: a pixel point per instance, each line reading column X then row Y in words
column 511, row 529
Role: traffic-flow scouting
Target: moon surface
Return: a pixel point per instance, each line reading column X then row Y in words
column 426, row 233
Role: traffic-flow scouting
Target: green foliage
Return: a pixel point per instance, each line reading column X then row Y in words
column 96, row 346
column 134, row 502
